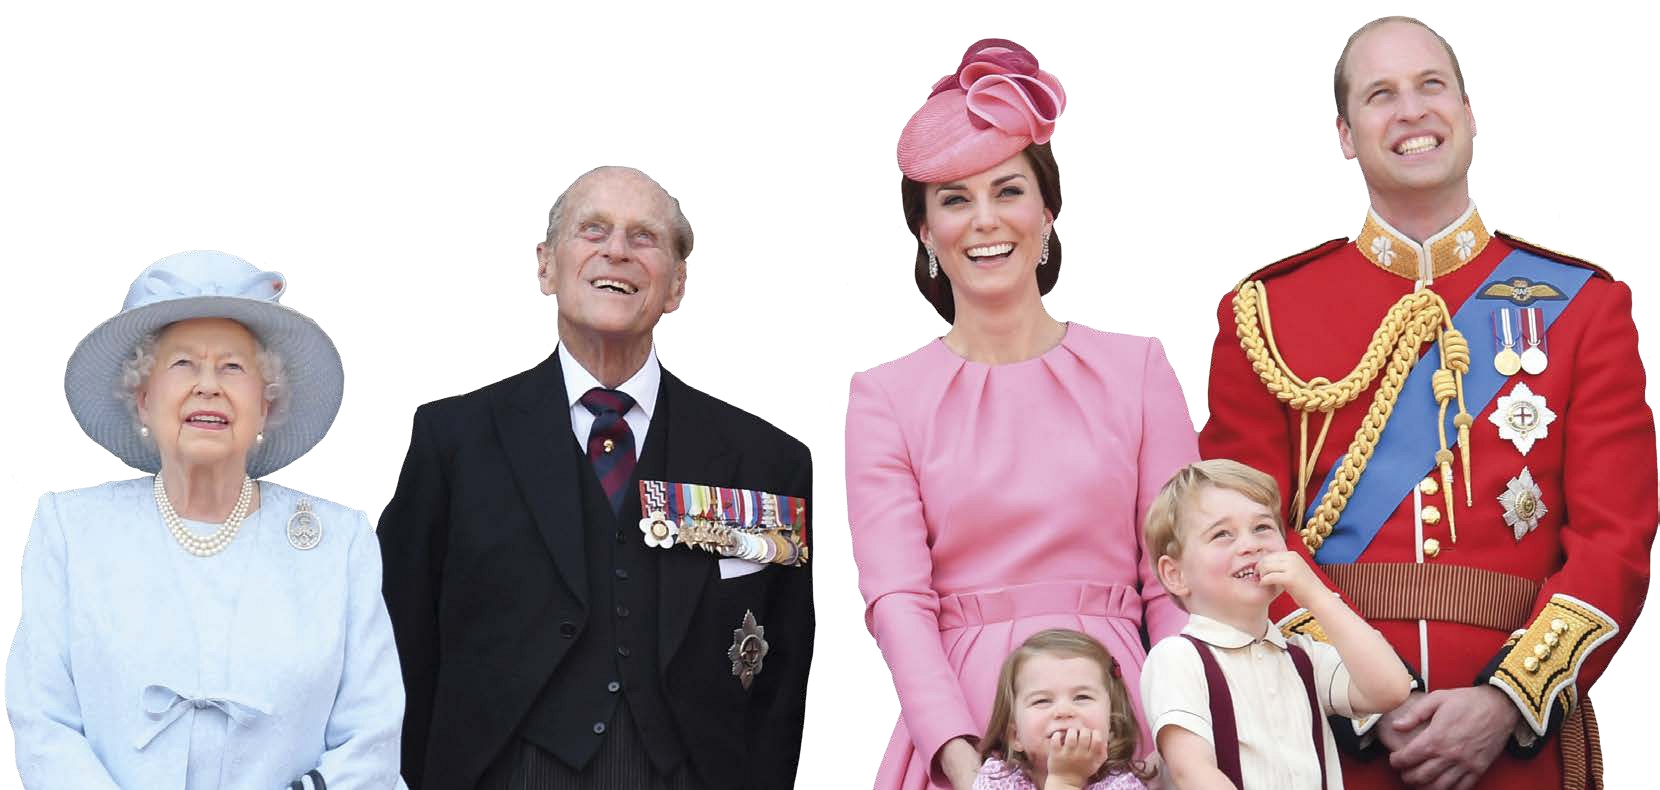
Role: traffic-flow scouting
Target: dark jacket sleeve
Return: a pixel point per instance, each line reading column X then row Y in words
column 412, row 533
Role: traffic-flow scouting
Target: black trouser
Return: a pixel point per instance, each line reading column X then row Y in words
column 620, row 764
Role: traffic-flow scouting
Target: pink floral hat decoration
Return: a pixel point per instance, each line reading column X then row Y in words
column 996, row 103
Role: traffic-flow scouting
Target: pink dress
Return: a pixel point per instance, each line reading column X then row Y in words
column 990, row 502
column 998, row 775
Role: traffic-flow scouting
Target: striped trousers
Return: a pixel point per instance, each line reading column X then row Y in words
column 620, row 764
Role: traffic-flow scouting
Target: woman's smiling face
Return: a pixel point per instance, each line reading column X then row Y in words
column 987, row 230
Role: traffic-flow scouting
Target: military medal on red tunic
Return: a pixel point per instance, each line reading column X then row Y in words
column 1534, row 360
column 1506, row 361
column 1523, row 503
column 1522, row 417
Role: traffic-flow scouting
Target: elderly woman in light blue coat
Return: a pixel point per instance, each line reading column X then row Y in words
column 202, row 628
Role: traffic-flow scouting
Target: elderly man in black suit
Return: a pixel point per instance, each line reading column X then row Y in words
column 544, row 644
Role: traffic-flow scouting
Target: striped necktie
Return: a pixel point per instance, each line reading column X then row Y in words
column 611, row 443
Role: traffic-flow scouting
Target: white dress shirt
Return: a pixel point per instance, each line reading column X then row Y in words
column 642, row 387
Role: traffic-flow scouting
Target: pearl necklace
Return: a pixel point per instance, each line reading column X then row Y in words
column 204, row 545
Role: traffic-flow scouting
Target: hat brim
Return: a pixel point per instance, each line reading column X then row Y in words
column 315, row 377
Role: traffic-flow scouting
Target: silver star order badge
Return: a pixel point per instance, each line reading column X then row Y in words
column 1524, row 504
column 305, row 530
column 749, row 648
column 659, row 531
column 1522, row 417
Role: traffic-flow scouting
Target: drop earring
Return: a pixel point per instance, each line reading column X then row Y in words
column 933, row 264
column 1043, row 255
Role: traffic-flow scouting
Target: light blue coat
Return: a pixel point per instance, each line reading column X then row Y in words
column 109, row 673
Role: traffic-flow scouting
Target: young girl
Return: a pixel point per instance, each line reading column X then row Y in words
column 1062, row 720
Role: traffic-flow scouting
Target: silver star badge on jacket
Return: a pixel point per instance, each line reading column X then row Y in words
column 749, row 648
column 1524, row 504
column 1522, row 417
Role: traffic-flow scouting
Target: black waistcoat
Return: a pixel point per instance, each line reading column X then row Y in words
column 615, row 655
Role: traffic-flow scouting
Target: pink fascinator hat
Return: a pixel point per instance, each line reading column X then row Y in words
column 996, row 103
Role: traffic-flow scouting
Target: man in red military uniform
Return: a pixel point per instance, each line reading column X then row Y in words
column 1457, row 420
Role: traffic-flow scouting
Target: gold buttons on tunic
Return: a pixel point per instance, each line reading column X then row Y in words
column 608, row 445
column 1530, row 664
column 1432, row 547
column 1429, row 487
column 1430, row 514
column 1559, row 625
column 1550, row 638
column 1541, row 650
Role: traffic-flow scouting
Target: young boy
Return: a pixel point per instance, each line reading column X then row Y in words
column 1231, row 702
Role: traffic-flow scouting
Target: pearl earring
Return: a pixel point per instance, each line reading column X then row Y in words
column 144, row 431
column 933, row 264
column 259, row 438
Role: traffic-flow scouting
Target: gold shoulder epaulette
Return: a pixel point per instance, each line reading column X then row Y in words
column 1547, row 252
column 1287, row 264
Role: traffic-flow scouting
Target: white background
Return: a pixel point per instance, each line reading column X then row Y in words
column 397, row 163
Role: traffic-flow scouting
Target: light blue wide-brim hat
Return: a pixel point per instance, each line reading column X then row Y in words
column 207, row 284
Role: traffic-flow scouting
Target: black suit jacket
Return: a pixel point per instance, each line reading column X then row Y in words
column 485, row 576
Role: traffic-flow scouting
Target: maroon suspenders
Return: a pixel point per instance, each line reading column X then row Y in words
column 1305, row 668
column 1224, row 727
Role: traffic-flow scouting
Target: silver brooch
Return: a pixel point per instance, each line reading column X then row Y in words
column 1524, row 504
column 749, row 648
column 305, row 530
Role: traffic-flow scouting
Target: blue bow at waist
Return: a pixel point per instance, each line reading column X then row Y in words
column 164, row 706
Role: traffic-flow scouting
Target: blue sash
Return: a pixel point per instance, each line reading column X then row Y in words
column 1405, row 453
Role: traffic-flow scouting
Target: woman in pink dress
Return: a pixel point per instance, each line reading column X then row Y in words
column 996, row 477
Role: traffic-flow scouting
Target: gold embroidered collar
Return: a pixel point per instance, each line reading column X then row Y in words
column 1439, row 255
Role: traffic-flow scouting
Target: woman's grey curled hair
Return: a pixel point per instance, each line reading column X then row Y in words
column 136, row 368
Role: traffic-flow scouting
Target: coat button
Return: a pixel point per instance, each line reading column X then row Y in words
column 1428, row 487
column 567, row 629
column 622, row 650
column 1432, row 547
column 613, row 687
column 622, row 611
column 599, row 728
column 622, row 574
column 1430, row 515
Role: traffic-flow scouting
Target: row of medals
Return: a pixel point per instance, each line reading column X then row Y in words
column 764, row 545
column 1532, row 358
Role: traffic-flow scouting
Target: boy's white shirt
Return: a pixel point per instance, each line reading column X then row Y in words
column 1270, row 704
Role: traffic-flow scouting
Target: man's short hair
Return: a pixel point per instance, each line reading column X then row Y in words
column 679, row 226
column 1162, row 529
column 1340, row 78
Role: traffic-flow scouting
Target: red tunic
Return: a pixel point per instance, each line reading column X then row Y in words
column 1595, row 467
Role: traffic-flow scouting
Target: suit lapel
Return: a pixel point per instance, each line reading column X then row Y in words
column 534, row 425
column 697, row 453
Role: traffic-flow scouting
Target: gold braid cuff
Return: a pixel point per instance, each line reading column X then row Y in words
column 1418, row 317
column 1301, row 623
column 1540, row 665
